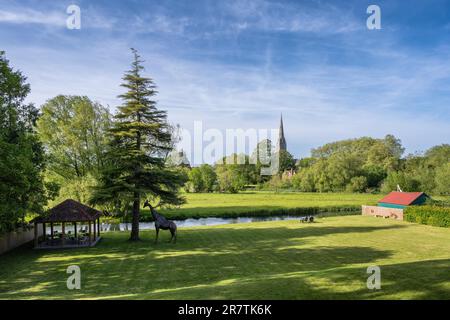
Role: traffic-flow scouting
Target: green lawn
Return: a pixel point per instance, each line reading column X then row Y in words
column 261, row 203
column 264, row 260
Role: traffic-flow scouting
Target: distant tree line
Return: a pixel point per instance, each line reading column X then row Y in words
column 233, row 175
column 354, row 165
column 373, row 165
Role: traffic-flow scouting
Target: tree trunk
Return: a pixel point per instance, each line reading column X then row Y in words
column 135, row 219
column 137, row 195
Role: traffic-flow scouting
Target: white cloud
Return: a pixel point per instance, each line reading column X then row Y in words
column 57, row 18
column 285, row 17
column 26, row 16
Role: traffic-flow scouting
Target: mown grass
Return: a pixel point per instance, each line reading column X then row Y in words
column 260, row 203
column 265, row 260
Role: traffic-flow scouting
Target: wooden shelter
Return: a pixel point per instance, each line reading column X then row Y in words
column 68, row 216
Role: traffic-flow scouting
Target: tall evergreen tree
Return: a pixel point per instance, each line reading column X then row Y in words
column 140, row 141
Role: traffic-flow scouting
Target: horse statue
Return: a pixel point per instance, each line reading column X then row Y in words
column 162, row 223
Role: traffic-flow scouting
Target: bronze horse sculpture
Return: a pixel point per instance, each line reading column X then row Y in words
column 162, row 223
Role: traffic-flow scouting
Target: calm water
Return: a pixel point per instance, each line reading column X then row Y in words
column 105, row 227
column 194, row 222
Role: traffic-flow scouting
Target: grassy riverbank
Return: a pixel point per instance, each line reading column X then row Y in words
column 200, row 205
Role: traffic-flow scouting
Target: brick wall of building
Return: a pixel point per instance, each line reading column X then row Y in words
column 382, row 212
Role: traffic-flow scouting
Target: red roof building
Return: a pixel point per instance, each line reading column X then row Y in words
column 402, row 199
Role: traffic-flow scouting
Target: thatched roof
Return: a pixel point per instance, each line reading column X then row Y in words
column 70, row 211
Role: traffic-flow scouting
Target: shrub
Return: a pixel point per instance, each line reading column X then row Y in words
column 195, row 183
column 201, row 179
column 431, row 215
column 407, row 181
column 304, row 180
column 276, row 183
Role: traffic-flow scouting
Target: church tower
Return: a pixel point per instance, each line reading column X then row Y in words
column 281, row 139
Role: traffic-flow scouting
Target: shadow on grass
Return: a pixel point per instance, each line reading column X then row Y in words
column 428, row 279
column 241, row 263
column 417, row 280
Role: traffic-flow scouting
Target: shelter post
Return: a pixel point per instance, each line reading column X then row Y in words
column 90, row 233
column 63, row 233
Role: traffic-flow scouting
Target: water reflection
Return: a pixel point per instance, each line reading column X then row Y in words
column 105, row 227
column 193, row 222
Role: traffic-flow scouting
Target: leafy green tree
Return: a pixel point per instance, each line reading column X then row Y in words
column 278, row 182
column 323, row 182
column 379, row 154
column 333, row 166
column 443, row 179
column 355, row 146
column 286, row 161
column 22, row 188
column 357, row 184
column 438, row 155
column 141, row 139
column 421, row 170
column 406, row 182
column 209, row 177
column 195, row 183
column 305, row 163
column 233, row 176
column 342, row 167
column 78, row 188
column 418, row 167
column 202, row 179
column 73, row 130
column 394, row 146
column 375, row 174
column 230, row 179
column 304, row 180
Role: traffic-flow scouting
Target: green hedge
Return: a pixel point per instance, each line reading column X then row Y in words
column 432, row 215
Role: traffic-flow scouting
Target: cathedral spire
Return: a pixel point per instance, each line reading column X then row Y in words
column 281, row 139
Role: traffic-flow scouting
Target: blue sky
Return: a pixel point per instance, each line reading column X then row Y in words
column 239, row 64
